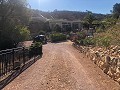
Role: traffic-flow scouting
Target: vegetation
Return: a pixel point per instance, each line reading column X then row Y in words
column 36, row 49
column 107, row 33
column 58, row 37
column 81, row 35
column 116, row 10
column 14, row 16
column 16, row 24
column 86, row 41
column 110, row 37
column 89, row 18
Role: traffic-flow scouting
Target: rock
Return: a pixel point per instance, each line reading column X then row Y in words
column 105, row 70
column 101, row 65
column 118, row 62
column 118, row 80
column 107, row 60
column 114, row 61
column 117, row 76
column 111, row 72
column 97, row 54
column 118, row 69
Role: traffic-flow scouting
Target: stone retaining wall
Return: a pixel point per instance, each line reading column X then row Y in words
column 107, row 59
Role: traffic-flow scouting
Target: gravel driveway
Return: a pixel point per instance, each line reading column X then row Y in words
column 62, row 67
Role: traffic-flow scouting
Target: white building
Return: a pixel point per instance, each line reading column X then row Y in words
column 75, row 25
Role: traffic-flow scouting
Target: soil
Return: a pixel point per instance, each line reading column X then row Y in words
column 62, row 67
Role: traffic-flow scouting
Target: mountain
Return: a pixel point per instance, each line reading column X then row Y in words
column 68, row 15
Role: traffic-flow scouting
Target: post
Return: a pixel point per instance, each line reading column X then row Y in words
column 13, row 52
column 23, row 55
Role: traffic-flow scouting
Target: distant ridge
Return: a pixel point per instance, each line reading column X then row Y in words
column 68, row 15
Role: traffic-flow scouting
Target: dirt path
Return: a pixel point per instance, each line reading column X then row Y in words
column 62, row 67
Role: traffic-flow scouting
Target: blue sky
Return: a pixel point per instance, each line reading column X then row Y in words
column 96, row 6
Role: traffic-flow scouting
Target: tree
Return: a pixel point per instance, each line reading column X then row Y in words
column 89, row 18
column 13, row 13
column 116, row 10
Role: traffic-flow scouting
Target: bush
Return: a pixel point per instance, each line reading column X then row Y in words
column 24, row 34
column 111, row 36
column 10, row 37
column 88, row 41
column 58, row 37
column 42, row 32
column 80, row 42
column 35, row 49
column 103, row 41
column 81, row 35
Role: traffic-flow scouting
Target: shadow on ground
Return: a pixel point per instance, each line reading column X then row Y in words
column 16, row 73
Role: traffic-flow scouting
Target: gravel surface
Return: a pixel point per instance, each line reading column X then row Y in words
column 62, row 67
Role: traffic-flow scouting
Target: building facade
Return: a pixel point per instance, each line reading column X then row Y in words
column 65, row 24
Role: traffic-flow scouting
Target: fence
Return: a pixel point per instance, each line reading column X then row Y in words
column 13, row 59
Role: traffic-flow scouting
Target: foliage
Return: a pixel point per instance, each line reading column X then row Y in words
column 108, row 22
column 103, row 41
column 114, row 33
column 89, row 18
column 36, row 44
column 12, row 36
column 36, row 49
column 88, row 41
column 100, row 29
column 42, row 32
column 13, row 13
column 116, row 10
column 25, row 34
column 111, row 36
column 58, row 37
column 81, row 35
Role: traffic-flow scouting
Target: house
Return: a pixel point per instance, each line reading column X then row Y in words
column 65, row 24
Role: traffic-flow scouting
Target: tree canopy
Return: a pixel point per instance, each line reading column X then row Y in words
column 89, row 18
column 14, row 15
column 116, row 10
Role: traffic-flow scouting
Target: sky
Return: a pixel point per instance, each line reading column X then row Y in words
column 96, row 6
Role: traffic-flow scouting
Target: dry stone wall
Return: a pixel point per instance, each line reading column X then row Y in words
column 108, row 59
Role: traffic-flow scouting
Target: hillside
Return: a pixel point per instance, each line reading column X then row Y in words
column 111, row 36
column 69, row 15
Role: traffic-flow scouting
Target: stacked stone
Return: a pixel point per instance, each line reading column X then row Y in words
column 108, row 59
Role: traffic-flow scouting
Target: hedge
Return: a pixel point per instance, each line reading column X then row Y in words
column 58, row 37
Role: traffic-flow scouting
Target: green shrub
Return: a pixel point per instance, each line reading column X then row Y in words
column 81, row 35
column 11, row 36
column 111, row 36
column 42, row 32
column 58, row 37
column 35, row 49
column 88, row 41
column 103, row 41
column 80, row 42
